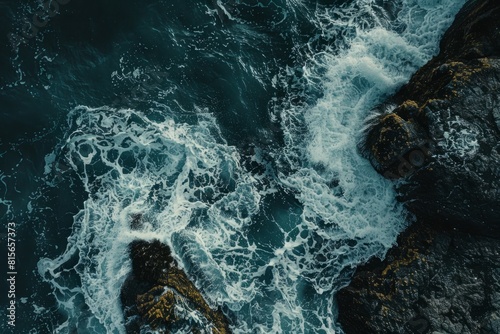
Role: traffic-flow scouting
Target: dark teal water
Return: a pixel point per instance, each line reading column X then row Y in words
column 231, row 126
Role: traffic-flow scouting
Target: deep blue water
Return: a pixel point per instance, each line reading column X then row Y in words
column 231, row 126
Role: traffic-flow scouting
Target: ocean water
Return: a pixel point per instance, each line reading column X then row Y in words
column 230, row 126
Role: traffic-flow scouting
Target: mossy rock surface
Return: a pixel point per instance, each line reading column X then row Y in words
column 160, row 296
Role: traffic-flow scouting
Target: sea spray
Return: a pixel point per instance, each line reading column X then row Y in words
column 327, row 209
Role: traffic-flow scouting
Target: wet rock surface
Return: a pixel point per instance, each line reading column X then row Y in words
column 441, row 144
column 443, row 137
column 159, row 296
column 434, row 281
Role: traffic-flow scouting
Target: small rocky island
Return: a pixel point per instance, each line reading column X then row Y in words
column 441, row 145
column 159, row 296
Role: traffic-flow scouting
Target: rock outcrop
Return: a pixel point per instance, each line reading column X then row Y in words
column 159, row 295
column 433, row 282
column 443, row 137
column 441, row 144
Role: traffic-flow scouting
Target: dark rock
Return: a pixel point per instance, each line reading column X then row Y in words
column 442, row 142
column 159, row 295
column 443, row 138
column 433, row 282
column 150, row 260
column 391, row 139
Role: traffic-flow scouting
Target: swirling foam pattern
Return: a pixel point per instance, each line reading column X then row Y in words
column 272, row 247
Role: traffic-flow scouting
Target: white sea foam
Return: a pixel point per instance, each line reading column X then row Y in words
column 169, row 173
column 194, row 195
column 337, row 187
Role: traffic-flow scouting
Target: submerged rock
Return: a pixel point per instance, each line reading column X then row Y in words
column 159, row 295
column 443, row 138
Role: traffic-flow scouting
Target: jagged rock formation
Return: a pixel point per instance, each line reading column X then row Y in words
column 443, row 138
column 442, row 144
column 159, row 295
column 432, row 282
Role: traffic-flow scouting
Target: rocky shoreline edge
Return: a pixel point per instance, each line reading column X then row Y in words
column 441, row 145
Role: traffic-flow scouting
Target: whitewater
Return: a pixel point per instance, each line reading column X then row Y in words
column 272, row 233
